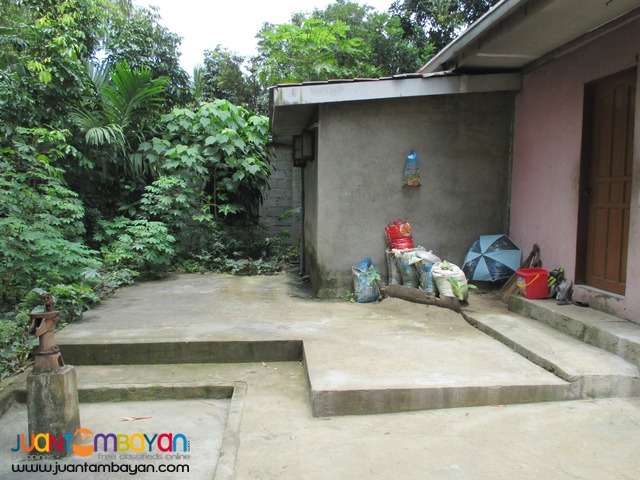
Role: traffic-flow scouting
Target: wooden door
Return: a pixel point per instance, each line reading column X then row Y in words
column 609, row 181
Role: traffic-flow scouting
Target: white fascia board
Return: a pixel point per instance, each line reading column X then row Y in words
column 311, row 94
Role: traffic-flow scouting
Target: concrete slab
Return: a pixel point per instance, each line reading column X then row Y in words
column 361, row 358
column 280, row 439
column 399, row 347
column 421, row 361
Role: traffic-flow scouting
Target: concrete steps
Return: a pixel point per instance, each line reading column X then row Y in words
column 327, row 403
column 604, row 331
column 554, row 338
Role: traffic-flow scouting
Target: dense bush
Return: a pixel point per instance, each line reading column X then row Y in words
column 199, row 214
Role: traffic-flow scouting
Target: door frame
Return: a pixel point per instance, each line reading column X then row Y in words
column 585, row 173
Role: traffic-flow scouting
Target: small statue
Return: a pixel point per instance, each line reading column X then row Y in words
column 43, row 326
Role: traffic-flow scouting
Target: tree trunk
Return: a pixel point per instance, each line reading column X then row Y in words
column 420, row 296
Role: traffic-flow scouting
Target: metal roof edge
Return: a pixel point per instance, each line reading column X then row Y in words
column 440, row 83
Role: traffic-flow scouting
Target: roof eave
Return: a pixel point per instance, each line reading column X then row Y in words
column 294, row 106
column 476, row 30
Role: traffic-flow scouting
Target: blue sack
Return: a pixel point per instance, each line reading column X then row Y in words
column 365, row 282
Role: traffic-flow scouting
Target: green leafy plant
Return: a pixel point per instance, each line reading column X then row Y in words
column 40, row 218
column 73, row 299
column 123, row 114
column 15, row 345
column 141, row 245
column 349, row 296
column 460, row 291
column 219, row 150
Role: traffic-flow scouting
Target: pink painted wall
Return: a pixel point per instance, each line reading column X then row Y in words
column 547, row 155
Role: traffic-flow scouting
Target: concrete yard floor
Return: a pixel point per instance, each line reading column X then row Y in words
column 391, row 344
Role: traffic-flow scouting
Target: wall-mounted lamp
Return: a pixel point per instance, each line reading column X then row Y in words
column 303, row 150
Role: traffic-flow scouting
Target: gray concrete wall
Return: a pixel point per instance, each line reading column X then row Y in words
column 283, row 195
column 355, row 186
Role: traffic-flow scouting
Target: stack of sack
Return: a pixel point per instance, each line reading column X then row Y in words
column 416, row 267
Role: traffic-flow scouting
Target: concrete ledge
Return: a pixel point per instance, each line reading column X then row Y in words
column 137, row 393
column 231, row 439
column 367, row 402
column 8, row 389
column 604, row 331
column 155, row 353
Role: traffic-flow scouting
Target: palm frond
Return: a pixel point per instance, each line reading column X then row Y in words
column 129, row 91
column 97, row 128
column 98, row 73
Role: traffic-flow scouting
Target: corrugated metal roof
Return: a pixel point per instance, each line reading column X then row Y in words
column 401, row 76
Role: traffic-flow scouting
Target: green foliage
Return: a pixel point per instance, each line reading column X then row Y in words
column 219, row 151
column 241, row 249
column 291, row 53
column 213, row 167
column 42, row 44
column 40, row 218
column 15, row 345
column 142, row 42
column 440, row 20
column 390, row 51
column 73, row 299
column 140, row 245
column 345, row 40
column 128, row 103
column 223, row 77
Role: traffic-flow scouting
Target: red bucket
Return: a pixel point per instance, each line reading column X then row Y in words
column 533, row 282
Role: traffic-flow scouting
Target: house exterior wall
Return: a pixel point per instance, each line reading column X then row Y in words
column 354, row 188
column 547, row 159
